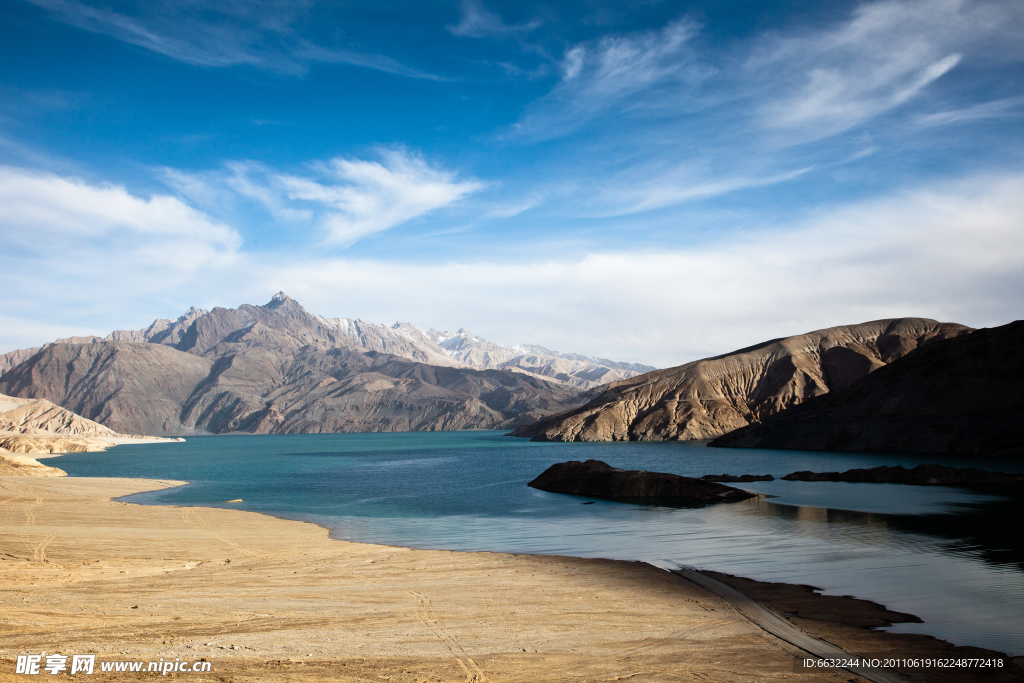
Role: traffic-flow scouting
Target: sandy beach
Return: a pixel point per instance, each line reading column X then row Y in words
column 263, row 598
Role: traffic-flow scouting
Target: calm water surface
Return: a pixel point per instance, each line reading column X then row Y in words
column 950, row 556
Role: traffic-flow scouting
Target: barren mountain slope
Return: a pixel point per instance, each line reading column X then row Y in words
column 131, row 388
column 255, row 375
column 961, row 395
column 199, row 332
column 707, row 398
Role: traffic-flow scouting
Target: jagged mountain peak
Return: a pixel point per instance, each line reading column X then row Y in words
column 280, row 299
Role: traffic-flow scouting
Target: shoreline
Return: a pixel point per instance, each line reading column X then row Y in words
column 445, row 609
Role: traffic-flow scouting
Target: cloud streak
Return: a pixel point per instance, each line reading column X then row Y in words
column 341, row 200
column 361, row 197
column 219, row 34
column 660, row 119
column 602, row 77
column 826, row 82
column 478, row 22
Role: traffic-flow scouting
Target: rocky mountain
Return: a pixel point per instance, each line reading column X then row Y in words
column 571, row 368
column 162, row 331
column 460, row 349
column 279, row 369
column 707, row 398
column 959, row 395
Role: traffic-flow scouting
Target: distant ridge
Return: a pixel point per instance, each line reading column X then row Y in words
column 707, row 398
column 459, row 349
column 278, row 368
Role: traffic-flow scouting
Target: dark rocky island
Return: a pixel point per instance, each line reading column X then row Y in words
column 922, row 475
column 596, row 478
column 963, row 394
column 737, row 479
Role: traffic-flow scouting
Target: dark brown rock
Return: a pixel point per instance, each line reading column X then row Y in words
column 710, row 397
column 959, row 395
column 922, row 475
column 596, row 478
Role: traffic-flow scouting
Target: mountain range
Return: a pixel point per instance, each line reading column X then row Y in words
column 404, row 340
column 277, row 368
column 905, row 384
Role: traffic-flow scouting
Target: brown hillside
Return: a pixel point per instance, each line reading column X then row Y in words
column 707, row 398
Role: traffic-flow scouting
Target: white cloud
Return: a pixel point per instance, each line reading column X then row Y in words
column 77, row 252
column 340, row 200
column 952, row 251
column 997, row 109
column 810, row 83
column 630, row 193
column 362, row 197
column 478, row 22
column 823, row 82
column 601, row 76
column 41, row 211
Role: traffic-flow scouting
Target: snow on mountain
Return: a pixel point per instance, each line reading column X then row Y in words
column 405, row 340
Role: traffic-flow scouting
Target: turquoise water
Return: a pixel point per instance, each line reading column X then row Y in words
column 952, row 557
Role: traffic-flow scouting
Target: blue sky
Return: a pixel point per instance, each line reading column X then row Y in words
column 646, row 181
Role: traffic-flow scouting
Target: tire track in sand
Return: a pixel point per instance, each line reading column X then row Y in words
column 425, row 613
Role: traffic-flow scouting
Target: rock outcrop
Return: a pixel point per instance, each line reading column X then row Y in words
column 958, row 395
column 922, row 475
column 596, row 478
column 710, row 397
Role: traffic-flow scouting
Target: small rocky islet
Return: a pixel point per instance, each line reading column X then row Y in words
column 599, row 479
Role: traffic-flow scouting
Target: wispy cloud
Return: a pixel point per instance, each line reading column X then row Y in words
column 663, row 117
column 365, row 197
column 342, row 200
column 813, row 81
column 997, row 109
column 636, row 195
column 218, row 34
column 478, row 22
column 609, row 74
column 824, row 82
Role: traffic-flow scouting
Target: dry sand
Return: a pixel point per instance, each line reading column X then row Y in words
column 265, row 599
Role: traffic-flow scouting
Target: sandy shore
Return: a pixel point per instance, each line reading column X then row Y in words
column 262, row 599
